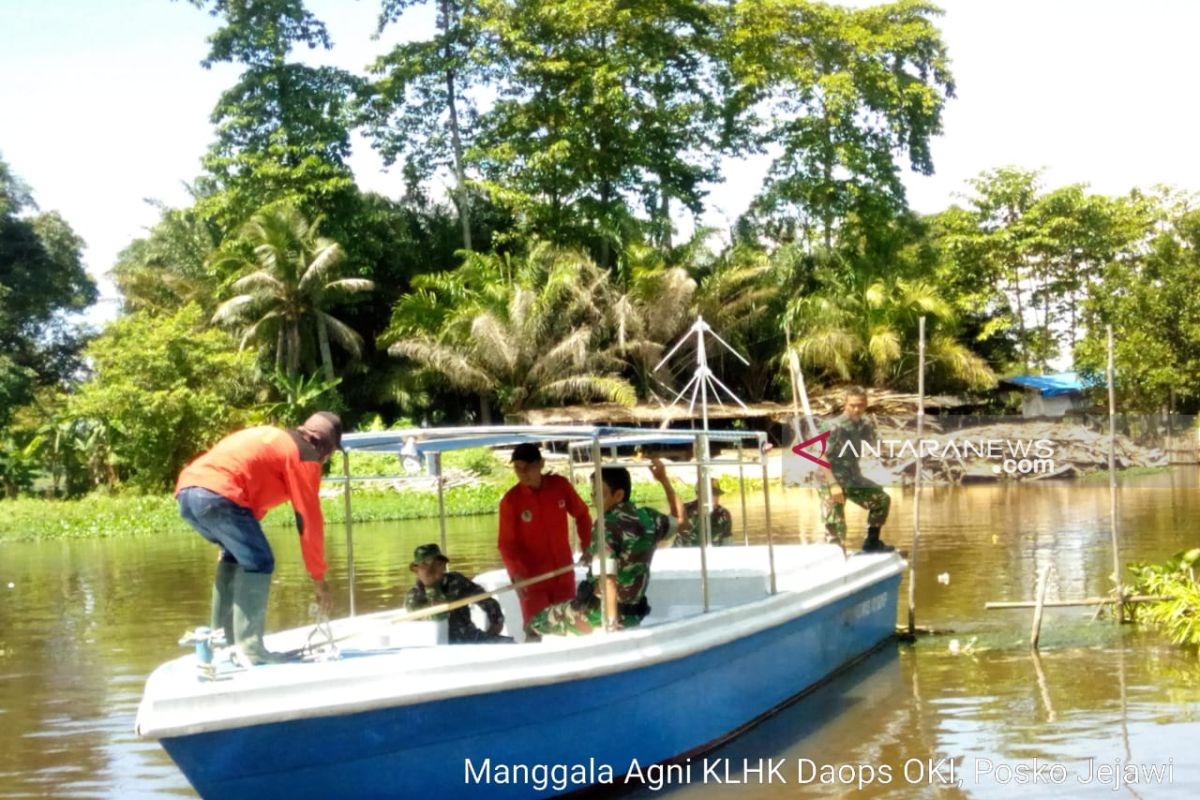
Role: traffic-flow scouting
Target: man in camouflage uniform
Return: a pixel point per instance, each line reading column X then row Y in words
column 845, row 481
column 436, row 586
column 720, row 522
column 631, row 535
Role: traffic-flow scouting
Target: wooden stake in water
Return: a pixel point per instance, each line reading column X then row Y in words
column 1035, row 632
column 1112, row 477
column 912, row 553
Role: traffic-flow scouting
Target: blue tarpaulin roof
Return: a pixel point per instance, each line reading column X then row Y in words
column 1056, row 383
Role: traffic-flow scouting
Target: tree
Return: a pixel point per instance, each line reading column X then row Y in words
column 164, row 387
column 42, row 278
column 1154, row 309
column 841, row 93
column 528, row 340
column 169, row 268
column 867, row 332
column 604, row 104
column 424, row 93
column 287, row 289
column 283, row 129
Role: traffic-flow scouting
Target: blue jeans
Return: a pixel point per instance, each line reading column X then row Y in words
column 232, row 527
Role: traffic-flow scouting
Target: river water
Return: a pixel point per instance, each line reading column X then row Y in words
column 83, row 623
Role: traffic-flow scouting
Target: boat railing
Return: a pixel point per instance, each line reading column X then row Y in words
column 431, row 442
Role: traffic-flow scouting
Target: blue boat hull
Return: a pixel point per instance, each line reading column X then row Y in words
column 469, row 746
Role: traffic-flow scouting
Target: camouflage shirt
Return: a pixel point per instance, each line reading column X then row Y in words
column 632, row 534
column 720, row 526
column 455, row 586
column 845, row 447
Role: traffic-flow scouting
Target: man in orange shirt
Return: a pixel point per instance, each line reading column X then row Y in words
column 533, row 530
column 225, row 492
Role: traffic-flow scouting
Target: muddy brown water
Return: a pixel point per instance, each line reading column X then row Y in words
column 965, row 713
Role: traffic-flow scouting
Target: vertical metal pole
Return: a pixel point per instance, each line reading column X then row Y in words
column 742, row 492
column 705, row 509
column 1112, row 477
column 762, row 455
column 441, row 486
column 601, row 529
column 916, row 531
column 349, row 527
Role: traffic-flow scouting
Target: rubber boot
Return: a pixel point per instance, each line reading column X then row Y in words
column 222, row 599
column 872, row 544
column 250, row 592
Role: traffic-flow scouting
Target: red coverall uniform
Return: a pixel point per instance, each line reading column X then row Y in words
column 258, row 469
column 533, row 539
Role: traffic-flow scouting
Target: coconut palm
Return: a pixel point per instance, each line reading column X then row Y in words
column 287, row 288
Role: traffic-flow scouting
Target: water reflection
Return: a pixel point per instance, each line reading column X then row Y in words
column 85, row 622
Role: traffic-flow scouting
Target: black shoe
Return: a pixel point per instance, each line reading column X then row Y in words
column 872, row 543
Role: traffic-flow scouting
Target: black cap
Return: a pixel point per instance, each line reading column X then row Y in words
column 527, row 452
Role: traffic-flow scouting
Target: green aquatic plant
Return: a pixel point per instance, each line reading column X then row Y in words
column 1178, row 613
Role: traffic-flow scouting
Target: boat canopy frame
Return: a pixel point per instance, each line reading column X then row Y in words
column 591, row 440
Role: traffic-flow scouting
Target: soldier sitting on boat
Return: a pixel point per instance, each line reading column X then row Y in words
column 631, row 535
column 720, row 521
column 435, row 586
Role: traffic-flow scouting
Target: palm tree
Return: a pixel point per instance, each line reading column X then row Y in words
column 859, row 333
column 528, row 340
column 288, row 287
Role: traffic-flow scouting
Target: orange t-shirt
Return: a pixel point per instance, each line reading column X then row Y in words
column 258, row 469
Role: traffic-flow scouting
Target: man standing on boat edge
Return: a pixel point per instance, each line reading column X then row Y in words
column 844, row 479
column 226, row 491
column 533, row 536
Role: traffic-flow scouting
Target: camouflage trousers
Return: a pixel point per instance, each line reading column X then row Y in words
column 564, row 619
column 872, row 498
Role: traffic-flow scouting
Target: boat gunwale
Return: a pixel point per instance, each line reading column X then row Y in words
column 609, row 654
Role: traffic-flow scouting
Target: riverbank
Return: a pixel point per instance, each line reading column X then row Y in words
column 106, row 516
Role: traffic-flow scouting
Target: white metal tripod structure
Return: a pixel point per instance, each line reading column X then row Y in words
column 702, row 381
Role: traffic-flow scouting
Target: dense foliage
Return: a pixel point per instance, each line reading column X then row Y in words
column 1178, row 614
column 542, row 245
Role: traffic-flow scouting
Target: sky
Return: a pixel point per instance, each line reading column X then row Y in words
column 104, row 105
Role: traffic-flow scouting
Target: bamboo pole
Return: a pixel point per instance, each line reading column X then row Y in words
column 601, row 529
column 1112, row 474
column 1088, row 601
column 1035, row 633
column 916, row 531
column 349, row 528
column 436, row 461
column 441, row 608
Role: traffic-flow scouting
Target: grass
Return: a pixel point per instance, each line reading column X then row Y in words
column 102, row 515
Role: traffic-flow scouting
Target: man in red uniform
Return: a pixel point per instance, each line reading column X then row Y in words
column 225, row 492
column 533, row 530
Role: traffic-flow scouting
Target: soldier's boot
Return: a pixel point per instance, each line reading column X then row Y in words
column 222, row 599
column 250, row 592
column 831, row 535
column 872, row 543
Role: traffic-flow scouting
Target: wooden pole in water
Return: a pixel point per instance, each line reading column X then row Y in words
column 1035, row 632
column 1112, row 476
column 916, row 532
